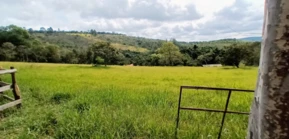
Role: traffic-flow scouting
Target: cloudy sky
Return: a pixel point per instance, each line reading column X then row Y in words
column 186, row 20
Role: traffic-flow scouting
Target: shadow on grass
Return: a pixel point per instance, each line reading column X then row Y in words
column 240, row 68
column 94, row 67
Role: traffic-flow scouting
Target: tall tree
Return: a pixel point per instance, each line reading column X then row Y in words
column 7, row 51
column 269, row 118
column 170, row 54
column 233, row 55
column 103, row 50
column 50, row 30
column 253, row 54
column 53, row 53
column 15, row 35
column 30, row 30
column 42, row 29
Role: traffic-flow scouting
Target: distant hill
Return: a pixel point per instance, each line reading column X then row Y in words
column 258, row 39
column 83, row 40
column 120, row 41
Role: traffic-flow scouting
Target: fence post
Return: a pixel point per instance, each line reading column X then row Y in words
column 15, row 88
column 179, row 107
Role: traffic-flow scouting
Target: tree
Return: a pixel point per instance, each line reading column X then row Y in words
column 42, row 29
column 193, row 52
column 269, row 116
column 30, row 30
column 170, row 54
column 104, row 51
column 187, row 60
column 22, row 53
column 206, row 58
column 233, row 55
column 15, row 35
column 50, row 30
column 93, row 32
column 7, row 51
column 253, row 54
column 155, row 59
column 53, row 54
column 68, row 56
column 38, row 52
column 99, row 60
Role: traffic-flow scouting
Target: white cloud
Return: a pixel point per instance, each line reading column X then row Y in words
column 163, row 19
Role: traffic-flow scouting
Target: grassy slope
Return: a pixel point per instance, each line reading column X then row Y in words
column 122, row 42
column 115, row 45
column 80, row 101
column 81, row 40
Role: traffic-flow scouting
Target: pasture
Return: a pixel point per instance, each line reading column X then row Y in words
column 81, row 101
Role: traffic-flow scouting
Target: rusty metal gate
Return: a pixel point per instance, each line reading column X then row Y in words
column 225, row 111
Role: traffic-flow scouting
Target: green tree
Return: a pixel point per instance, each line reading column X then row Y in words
column 42, row 29
column 7, row 52
column 16, row 35
column 104, row 51
column 69, row 56
column 253, row 54
column 233, row 55
column 23, row 52
column 187, row 60
column 50, row 30
column 53, row 53
column 30, row 30
column 205, row 58
column 170, row 54
column 155, row 59
column 99, row 60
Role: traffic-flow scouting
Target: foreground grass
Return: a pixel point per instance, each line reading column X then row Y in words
column 80, row 101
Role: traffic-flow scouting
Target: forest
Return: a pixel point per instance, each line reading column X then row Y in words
column 105, row 48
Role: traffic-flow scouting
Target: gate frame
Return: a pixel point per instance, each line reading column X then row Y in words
column 225, row 111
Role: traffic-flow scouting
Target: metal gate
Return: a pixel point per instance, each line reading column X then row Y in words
column 225, row 111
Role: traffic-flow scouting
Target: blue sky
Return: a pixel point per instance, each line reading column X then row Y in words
column 186, row 20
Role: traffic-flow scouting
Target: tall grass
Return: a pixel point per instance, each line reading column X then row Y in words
column 80, row 101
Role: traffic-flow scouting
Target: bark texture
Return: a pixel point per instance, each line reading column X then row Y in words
column 269, row 117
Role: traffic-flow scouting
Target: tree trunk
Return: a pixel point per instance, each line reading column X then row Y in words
column 269, row 117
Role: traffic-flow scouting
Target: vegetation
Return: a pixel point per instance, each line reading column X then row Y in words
column 48, row 45
column 81, row 101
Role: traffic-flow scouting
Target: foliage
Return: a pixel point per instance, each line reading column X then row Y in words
column 234, row 54
column 7, row 51
column 99, row 60
column 102, row 51
column 55, row 46
column 170, row 54
column 253, row 54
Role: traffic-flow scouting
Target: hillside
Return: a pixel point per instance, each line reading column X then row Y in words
column 121, row 41
column 76, row 40
column 18, row 44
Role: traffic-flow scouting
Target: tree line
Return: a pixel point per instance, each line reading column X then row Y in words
column 19, row 44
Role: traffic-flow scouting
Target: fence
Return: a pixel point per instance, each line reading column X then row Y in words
column 225, row 111
column 16, row 101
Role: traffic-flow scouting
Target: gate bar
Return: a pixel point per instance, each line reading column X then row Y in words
column 225, row 111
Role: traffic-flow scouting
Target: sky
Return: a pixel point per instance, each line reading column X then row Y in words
column 184, row 20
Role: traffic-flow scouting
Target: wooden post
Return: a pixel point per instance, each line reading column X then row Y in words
column 269, row 118
column 1, row 79
column 15, row 88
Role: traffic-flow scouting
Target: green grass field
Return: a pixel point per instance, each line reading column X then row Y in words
column 81, row 101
